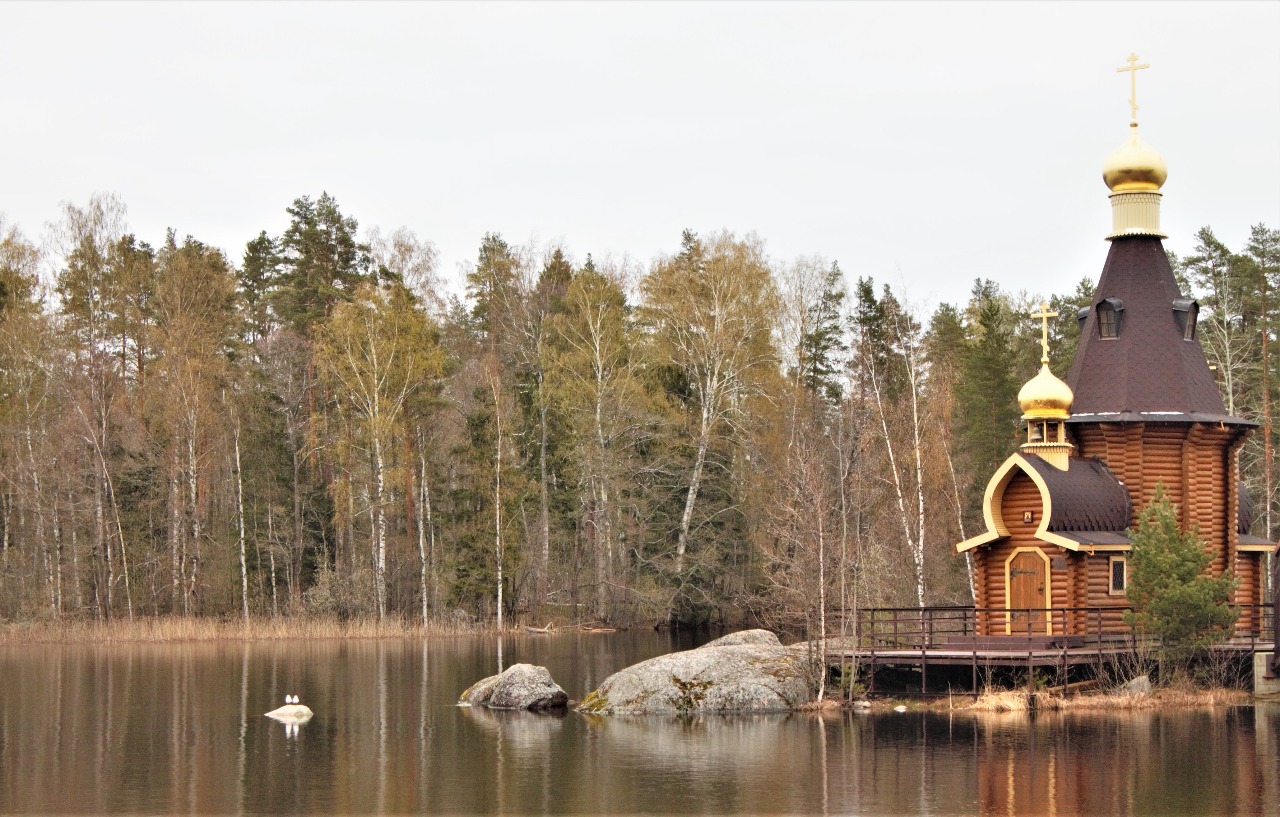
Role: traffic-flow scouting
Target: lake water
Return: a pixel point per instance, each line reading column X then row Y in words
column 179, row 729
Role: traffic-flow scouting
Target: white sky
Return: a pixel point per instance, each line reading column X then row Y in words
column 923, row 144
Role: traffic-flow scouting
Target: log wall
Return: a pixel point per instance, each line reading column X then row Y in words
column 1198, row 465
column 1249, row 571
column 1195, row 462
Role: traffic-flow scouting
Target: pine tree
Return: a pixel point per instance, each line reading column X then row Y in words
column 1172, row 597
column 321, row 262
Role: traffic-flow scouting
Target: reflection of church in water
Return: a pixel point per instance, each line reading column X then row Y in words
column 1139, row 407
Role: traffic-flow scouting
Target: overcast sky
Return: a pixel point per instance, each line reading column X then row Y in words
column 921, row 144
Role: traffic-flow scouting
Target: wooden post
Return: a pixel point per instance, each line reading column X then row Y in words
column 975, row 668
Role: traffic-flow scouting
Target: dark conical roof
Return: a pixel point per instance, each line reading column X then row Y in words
column 1148, row 372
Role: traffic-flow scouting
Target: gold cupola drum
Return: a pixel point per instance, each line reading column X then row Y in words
column 1135, row 172
column 1046, row 405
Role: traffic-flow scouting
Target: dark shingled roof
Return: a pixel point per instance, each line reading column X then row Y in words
column 1244, row 508
column 1148, row 372
column 1086, row 498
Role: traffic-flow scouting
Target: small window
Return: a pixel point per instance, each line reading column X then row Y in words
column 1119, row 575
column 1110, row 312
column 1082, row 316
column 1185, row 312
column 1106, row 321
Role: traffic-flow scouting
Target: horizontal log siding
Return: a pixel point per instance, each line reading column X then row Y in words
column 1206, row 507
column 1249, row 588
column 1021, row 495
column 1195, row 462
column 1198, row 466
column 1097, row 573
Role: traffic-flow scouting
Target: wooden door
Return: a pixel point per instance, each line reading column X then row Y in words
column 1027, row 590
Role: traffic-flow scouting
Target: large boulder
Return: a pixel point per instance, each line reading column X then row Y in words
column 748, row 671
column 521, row 686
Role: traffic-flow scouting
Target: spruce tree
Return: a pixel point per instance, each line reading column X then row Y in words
column 822, row 345
column 986, row 406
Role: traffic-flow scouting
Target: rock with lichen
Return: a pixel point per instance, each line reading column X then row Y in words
column 748, row 671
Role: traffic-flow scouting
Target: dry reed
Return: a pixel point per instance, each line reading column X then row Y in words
column 177, row 629
column 1168, row 698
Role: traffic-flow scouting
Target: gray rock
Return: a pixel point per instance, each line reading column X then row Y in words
column 520, row 686
column 757, row 638
column 743, row 672
column 1138, row 686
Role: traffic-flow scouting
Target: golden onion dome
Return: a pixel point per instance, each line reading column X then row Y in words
column 1045, row 397
column 1135, row 165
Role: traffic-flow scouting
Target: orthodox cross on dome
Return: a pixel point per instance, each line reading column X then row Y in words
column 1133, row 68
column 1044, row 315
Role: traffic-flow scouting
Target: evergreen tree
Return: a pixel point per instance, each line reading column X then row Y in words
column 493, row 287
column 1172, row 597
column 1064, row 330
column 321, row 262
column 258, row 275
column 1263, row 253
column 986, row 406
column 822, row 341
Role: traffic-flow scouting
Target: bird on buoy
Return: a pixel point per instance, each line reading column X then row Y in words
column 292, row 711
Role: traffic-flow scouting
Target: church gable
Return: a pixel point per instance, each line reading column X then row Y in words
column 1028, row 498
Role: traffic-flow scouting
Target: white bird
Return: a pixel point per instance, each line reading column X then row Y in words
column 292, row 711
column 898, row 708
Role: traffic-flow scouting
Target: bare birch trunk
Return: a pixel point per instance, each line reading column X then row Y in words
column 695, row 481
column 544, row 510
column 244, row 563
column 424, row 498
column 498, row 550
column 380, row 529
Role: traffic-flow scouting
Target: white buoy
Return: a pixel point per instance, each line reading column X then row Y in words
column 899, row 708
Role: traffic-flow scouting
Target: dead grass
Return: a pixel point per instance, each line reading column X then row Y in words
column 1171, row 698
column 178, row 629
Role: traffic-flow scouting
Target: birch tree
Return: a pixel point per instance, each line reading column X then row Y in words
column 376, row 352
column 84, row 240
column 592, row 380
column 710, row 310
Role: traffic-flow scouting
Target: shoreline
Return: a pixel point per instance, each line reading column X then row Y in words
column 1017, row 701
column 173, row 630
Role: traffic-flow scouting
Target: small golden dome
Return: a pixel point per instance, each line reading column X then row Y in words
column 1135, row 165
column 1045, row 397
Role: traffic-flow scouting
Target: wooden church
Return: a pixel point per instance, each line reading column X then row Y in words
column 1140, row 406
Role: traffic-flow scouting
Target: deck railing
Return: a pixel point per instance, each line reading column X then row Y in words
column 914, row 628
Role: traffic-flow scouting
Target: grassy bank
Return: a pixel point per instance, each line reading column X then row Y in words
column 176, row 629
column 1164, row 698
column 1003, row 700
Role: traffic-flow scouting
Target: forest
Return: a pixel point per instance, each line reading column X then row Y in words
column 322, row 430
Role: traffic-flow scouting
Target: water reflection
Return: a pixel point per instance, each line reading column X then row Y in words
column 162, row 729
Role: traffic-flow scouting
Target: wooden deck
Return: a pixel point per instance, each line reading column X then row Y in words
column 917, row 640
